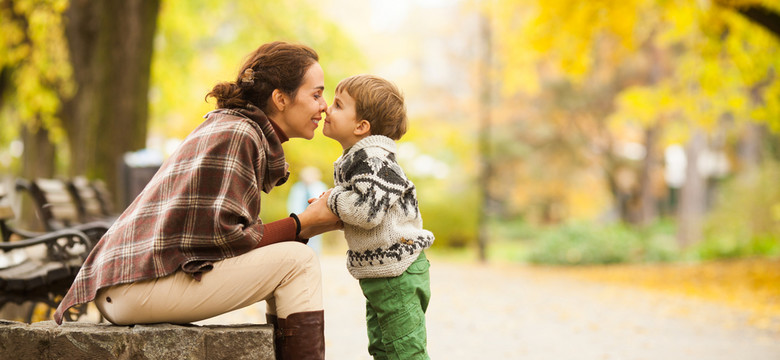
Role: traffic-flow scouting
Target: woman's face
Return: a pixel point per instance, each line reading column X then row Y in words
column 301, row 115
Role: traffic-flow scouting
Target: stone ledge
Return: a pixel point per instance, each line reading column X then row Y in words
column 78, row 340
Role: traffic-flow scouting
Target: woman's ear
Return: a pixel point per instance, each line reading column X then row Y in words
column 363, row 127
column 279, row 99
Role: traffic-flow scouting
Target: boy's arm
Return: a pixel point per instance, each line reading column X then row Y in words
column 374, row 186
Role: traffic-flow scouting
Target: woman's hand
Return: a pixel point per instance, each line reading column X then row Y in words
column 317, row 218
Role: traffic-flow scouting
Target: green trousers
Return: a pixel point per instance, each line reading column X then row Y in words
column 395, row 313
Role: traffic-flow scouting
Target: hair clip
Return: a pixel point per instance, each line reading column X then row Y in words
column 248, row 77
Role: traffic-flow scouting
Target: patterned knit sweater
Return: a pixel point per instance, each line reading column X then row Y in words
column 378, row 206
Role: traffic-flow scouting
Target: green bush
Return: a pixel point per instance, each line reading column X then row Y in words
column 584, row 243
column 746, row 218
column 452, row 219
column 659, row 242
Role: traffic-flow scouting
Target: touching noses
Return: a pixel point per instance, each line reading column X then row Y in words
column 323, row 105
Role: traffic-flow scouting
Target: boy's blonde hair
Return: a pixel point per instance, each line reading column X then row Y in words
column 378, row 101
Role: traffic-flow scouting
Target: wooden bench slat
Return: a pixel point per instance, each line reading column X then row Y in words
column 50, row 185
column 88, row 197
column 22, row 276
column 103, row 196
column 33, row 274
column 65, row 213
column 6, row 212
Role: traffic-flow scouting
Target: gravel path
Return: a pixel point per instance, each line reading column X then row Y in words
column 518, row 312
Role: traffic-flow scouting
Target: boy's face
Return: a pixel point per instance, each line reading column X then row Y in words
column 341, row 120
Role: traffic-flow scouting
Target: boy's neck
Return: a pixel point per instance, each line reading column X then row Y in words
column 347, row 145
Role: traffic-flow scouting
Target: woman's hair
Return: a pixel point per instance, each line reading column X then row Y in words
column 378, row 101
column 275, row 65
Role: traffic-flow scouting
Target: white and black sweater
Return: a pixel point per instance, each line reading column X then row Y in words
column 378, row 206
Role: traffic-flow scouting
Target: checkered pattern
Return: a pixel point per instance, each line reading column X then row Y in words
column 201, row 206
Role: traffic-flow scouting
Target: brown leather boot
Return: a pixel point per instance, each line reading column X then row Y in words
column 303, row 336
column 278, row 338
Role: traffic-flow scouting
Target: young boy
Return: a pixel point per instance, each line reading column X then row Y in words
column 382, row 224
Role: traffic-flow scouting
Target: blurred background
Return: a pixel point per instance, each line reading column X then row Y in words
column 551, row 132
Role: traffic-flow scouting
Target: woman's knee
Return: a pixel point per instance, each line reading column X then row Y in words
column 304, row 256
column 301, row 288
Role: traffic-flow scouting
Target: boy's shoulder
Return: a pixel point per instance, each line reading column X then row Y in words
column 374, row 148
column 377, row 161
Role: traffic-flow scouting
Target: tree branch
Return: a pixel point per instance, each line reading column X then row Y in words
column 763, row 16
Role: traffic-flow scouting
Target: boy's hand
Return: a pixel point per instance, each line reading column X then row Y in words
column 326, row 196
column 317, row 218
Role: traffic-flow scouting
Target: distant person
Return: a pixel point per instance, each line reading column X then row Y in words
column 309, row 187
column 191, row 245
column 382, row 224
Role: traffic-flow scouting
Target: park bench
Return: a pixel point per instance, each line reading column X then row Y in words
column 38, row 267
column 57, row 204
column 92, row 199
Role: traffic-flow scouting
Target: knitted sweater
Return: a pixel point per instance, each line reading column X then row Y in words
column 378, row 205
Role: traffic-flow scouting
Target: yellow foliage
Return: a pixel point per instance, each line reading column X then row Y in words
column 752, row 284
column 190, row 59
column 723, row 54
column 36, row 53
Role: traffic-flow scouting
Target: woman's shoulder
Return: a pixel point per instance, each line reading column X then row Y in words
column 232, row 122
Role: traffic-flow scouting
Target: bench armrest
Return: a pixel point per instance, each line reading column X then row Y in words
column 91, row 226
column 57, row 250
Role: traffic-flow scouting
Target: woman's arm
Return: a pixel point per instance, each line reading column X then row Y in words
column 314, row 220
column 278, row 231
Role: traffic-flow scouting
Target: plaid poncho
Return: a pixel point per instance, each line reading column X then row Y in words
column 201, row 206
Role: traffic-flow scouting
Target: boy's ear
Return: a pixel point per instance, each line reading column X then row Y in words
column 363, row 127
column 279, row 100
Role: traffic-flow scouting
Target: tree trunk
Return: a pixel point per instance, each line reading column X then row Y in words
column 749, row 150
column 692, row 194
column 764, row 17
column 79, row 114
column 111, row 51
column 648, row 195
column 38, row 156
column 38, row 161
column 486, row 169
column 647, row 186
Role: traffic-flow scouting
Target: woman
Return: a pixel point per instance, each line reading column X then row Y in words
column 191, row 246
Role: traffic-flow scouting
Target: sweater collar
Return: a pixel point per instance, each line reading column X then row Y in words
column 373, row 141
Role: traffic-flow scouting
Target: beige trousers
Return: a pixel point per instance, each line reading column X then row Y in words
column 286, row 275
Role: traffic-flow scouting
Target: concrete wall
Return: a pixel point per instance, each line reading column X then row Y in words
column 78, row 340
